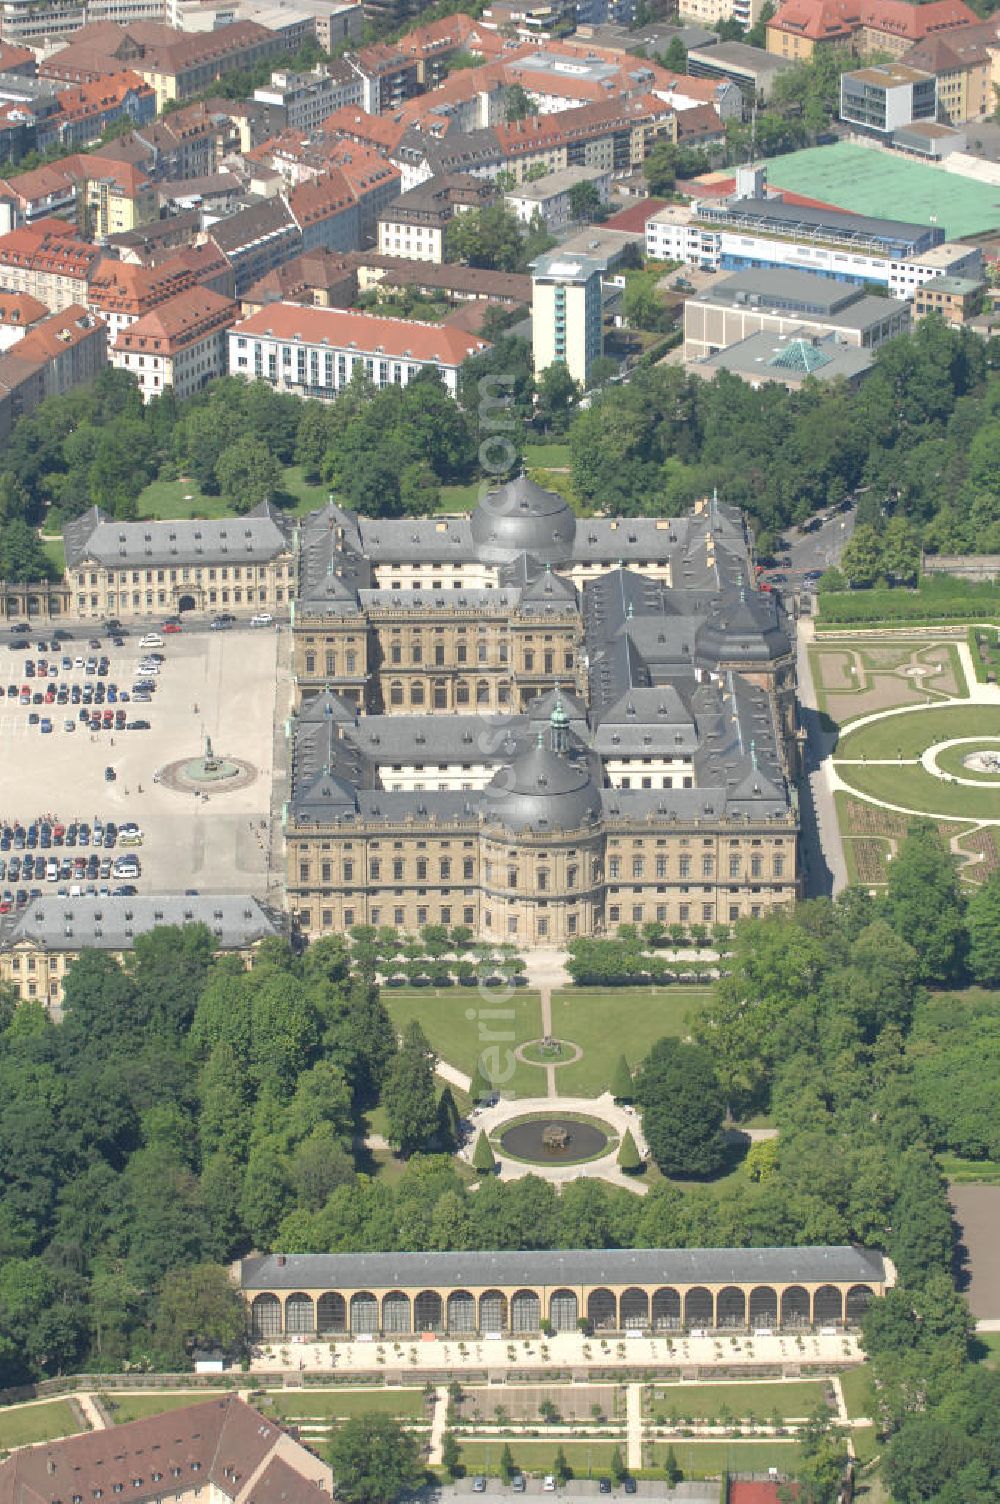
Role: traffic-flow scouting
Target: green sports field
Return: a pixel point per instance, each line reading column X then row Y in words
column 882, row 184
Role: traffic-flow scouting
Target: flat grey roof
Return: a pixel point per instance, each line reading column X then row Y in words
column 554, row 1267
column 738, row 55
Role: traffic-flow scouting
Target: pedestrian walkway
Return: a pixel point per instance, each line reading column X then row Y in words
column 633, row 1420
column 92, row 1411
column 439, row 1421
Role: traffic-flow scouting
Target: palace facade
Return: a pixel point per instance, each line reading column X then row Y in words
column 537, row 726
column 616, row 1290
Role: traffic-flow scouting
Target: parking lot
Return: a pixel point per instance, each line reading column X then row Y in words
column 218, row 843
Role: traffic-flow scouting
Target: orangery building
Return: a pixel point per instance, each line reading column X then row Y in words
column 627, row 1289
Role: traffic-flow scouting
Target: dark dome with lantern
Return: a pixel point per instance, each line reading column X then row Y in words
column 522, row 518
column 543, row 790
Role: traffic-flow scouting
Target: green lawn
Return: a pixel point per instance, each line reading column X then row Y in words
column 859, row 1393
column 325, row 1404
column 125, row 1407
column 913, row 731
column 705, row 1401
column 603, row 1021
column 547, row 456
column 866, row 1443
column 461, row 1025
column 709, row 1459
column 909, row 787
column 23, row 1425
column 584, row 1457
column 55, row 553
column 183, row 498
column 986, row 1349
column 969, row 1171
column 459, row 498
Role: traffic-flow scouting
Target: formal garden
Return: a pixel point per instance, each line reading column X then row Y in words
column 894, row 760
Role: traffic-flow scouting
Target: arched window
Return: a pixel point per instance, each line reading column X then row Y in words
column 299, row 1314
column 395, row 693
column 461, row 1312
column 492, row 1311
column 634, row 1306
column 482, row 692
column 858, row 1299
column 602, row 1310
column 563, row 1311
column 364, row 1312
column 428, row 1314
column 462, row 692
column 731, row 1307
column 827, row 1305
column 666, row 1310
column 265, row 1316
column 331, row 1313
column 395, row 1312
column 699, row 1308
column 525, row 1311
column 440, row 695
column 416, row 693
column 795, row 1306
column 763, row 1307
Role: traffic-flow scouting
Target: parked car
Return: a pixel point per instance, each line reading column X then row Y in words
column 110, row 775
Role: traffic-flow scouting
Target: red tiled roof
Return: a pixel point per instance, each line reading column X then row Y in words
column 634, row 217
column 63, row 255
column 19, row 310
column 105, row 93
column 825, row 20
column 367, row 332
column 15, row 58
column 221, row 1444
column 183, row 320
column 357, row 125
column 541, row 131
column 321, row 197
column 449, row 34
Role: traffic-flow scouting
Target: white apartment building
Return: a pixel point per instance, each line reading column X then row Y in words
column 314, row 352
column 550, row 196
column 567, row 315
column 676, row 233
column 308, row 98
column 181, row 344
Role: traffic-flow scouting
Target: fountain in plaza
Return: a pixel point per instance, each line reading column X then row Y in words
column 209, row 773
column 551, row 1140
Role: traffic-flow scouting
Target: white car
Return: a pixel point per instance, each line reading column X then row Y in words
column 261, row 619
column 151, row 640
column 130, row 838
column 549, row 1486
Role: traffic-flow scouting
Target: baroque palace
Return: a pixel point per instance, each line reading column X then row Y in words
column 537, row 725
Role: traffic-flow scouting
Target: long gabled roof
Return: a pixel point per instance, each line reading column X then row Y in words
column 554, row 1267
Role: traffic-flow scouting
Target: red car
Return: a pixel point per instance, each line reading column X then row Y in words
column 172, row 626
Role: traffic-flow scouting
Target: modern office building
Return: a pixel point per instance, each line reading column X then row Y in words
column 884, row 97
column 567, row 313
column 780, row 302
column 742, row 234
